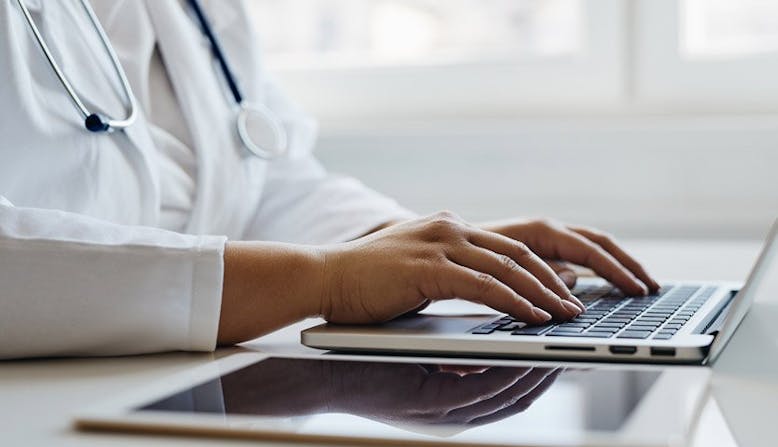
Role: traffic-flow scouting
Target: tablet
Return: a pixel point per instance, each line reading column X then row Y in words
column 367, row 400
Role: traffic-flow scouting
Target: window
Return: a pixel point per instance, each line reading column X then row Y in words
column 397, row 58
column 357, row 33
column 405, row 58
column 727, row 29
column 707, row 55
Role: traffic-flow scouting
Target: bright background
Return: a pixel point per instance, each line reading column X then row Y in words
column 650, row 118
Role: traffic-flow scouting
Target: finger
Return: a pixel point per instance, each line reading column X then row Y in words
column 510, row 273
column 523, row 403
column 415, row 311
column 525, row 257
column 448, row 390
column 607, row 243
column 462, row 370
column 564, row 272
column 504, row 399
column 579, row 250
column 466, row 283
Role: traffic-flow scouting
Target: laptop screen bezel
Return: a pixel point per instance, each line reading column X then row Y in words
column 745, row 297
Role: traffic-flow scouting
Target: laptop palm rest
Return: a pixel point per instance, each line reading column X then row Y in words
column 435, row 324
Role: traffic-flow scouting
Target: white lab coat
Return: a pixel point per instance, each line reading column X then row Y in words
column 84, row 268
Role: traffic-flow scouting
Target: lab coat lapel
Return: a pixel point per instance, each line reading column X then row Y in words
column 208, row 115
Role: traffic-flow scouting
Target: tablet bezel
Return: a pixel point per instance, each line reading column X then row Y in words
column 663, row 417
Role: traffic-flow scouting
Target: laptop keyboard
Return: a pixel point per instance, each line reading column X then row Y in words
column 610, row 314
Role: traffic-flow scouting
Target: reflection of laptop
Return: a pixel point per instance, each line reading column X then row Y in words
column 685, row 322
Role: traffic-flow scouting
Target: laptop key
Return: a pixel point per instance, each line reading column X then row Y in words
column 662, row 336
column 641, row 327
column 532, row 330
column 616, row 320
column 569, row 330
column 634, row 334
column 576, row 325
column 648, row 322
column 482, row 331
column 584, row 320
column 600, row 331
column 582, row 335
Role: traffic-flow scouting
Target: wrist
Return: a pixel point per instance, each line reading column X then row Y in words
column 267, row 286
column 330, row 282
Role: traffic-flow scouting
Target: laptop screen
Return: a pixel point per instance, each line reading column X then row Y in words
column 762, row 281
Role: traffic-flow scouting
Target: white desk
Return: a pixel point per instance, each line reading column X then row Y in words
column 37, row 397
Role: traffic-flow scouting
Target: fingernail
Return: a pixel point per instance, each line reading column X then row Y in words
column 541, row 314
column 569, row 278
column 578, row 303
column 571, row 307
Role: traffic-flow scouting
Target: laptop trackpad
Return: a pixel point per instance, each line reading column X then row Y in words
column 438, row 324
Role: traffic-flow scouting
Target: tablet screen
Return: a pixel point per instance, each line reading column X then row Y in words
column 330, row 396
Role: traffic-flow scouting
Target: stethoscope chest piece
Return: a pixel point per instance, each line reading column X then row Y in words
column 261, row 132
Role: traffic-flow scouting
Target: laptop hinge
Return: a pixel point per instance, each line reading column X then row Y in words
column 713, row 323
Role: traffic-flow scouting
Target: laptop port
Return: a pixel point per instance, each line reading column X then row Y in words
column 623, row 349
column 569, row 348
column 663, row 352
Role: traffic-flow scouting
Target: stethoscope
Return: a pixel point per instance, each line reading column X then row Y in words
column 259, row 130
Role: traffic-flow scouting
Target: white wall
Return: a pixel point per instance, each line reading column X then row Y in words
column 714, row 176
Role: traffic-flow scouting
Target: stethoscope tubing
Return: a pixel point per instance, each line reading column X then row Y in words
column 245, row 110
column 247, row 113
column 205, row 26
column 92, row 121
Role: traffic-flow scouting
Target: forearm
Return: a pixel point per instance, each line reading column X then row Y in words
column 267, row 286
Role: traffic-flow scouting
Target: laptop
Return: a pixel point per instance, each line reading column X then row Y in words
column 685, row 322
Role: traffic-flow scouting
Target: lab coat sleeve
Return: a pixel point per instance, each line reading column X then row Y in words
column 302, row 202
column 73, row 285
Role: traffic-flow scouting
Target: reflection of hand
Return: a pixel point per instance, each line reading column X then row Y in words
column 387, row 392
column 407, row 393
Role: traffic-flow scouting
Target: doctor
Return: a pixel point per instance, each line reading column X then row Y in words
column 165, row 230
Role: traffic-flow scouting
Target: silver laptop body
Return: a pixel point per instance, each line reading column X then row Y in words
column 688, row 322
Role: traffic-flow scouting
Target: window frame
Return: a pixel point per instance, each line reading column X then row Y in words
column 593, row 79
column 664, row 79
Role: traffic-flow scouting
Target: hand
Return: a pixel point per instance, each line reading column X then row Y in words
column 387, row 392
column 418, row 394
column 403, row 267
column 583, row 246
